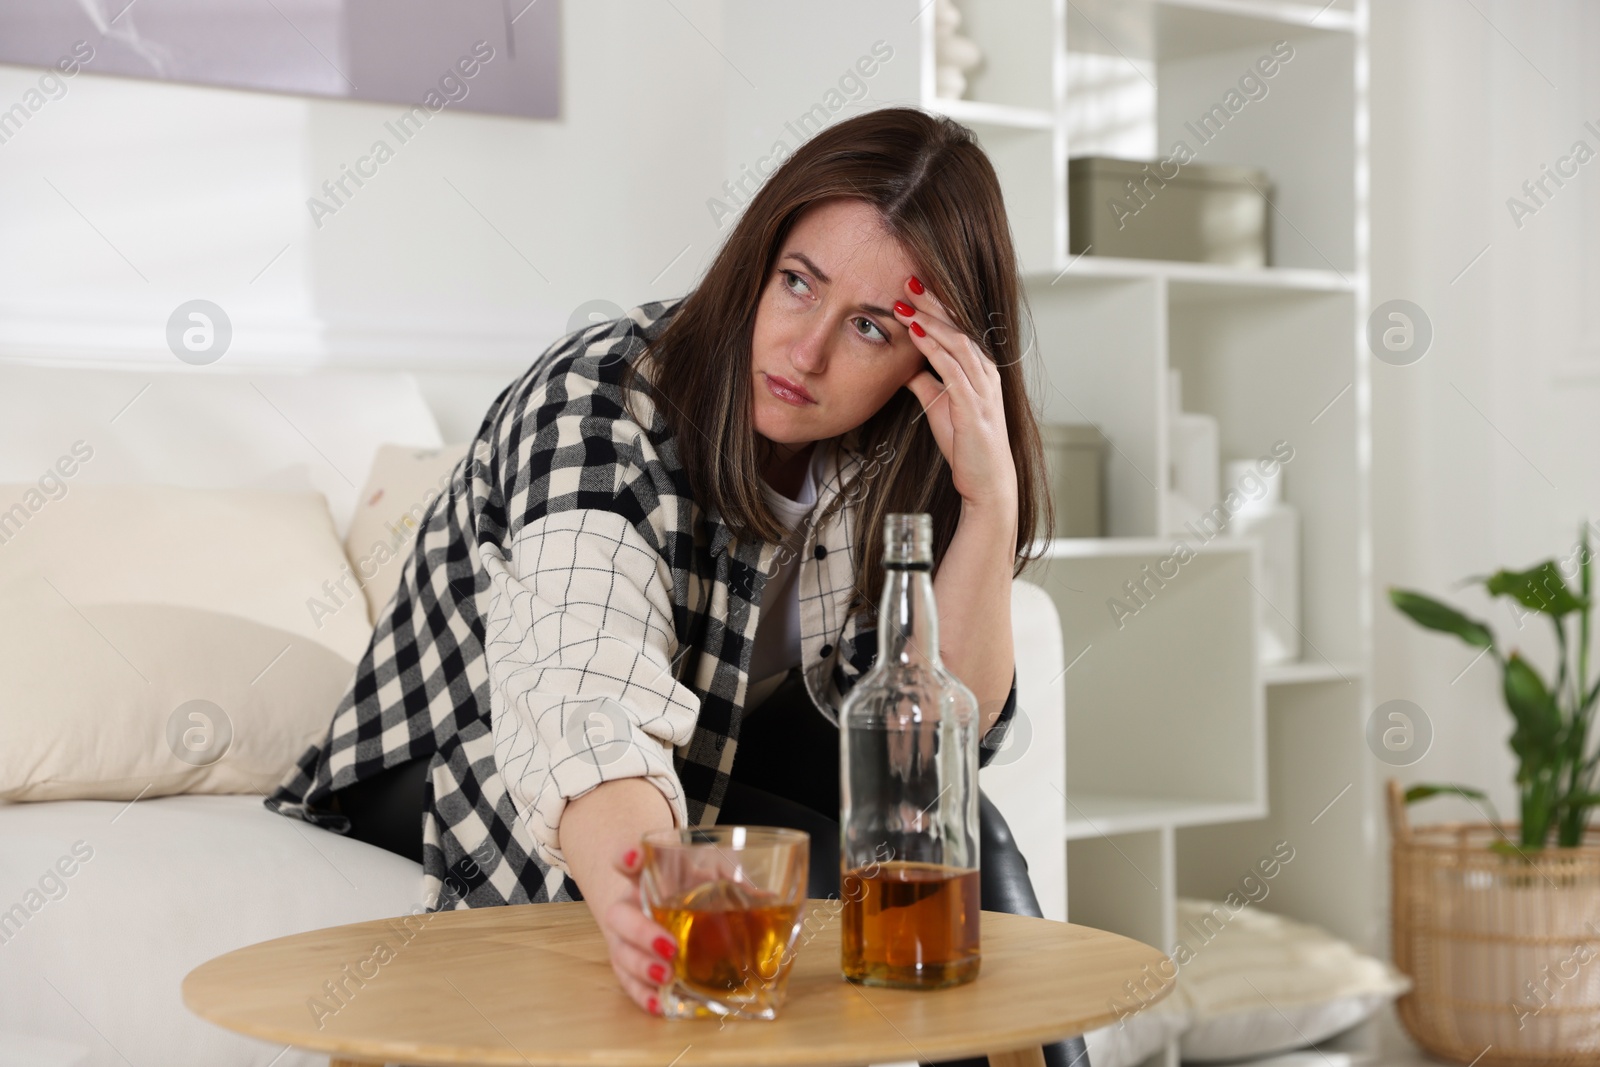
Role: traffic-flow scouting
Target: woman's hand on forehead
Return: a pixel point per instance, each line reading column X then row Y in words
column 963, row 402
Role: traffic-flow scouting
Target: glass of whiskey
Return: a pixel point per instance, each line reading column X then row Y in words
column 733, row 898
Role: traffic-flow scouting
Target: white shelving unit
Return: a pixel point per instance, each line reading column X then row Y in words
column 1186, row 760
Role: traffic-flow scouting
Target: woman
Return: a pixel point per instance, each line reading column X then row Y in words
column 659, row 562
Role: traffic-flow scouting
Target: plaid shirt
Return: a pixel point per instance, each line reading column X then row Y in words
column 570, row 615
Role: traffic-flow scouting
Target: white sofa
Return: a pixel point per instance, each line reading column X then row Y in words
column 106, row 904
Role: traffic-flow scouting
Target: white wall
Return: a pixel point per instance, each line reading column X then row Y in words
column 125, row 198
column 1484, row 452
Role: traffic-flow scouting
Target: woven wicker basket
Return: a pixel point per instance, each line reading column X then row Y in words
column 1503, row 953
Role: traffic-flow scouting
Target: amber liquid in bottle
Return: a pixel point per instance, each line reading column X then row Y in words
column 911, row 925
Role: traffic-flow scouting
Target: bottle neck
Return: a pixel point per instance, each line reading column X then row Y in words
column 908, row 620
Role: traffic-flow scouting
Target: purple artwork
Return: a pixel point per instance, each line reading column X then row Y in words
column 496, row 56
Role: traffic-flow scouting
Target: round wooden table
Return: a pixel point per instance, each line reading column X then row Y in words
column 532, row 985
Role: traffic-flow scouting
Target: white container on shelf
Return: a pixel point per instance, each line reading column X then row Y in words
column 1266, row 517
column 1192, row 488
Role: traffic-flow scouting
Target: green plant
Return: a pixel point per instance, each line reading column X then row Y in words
column 1555, row 771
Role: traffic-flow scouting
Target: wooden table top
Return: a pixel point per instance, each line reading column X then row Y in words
column 532, row 985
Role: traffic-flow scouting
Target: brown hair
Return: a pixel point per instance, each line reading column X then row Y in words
column 937, row 194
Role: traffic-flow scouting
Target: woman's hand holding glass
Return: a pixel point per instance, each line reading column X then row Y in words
column 601, row 834
column 641, row 949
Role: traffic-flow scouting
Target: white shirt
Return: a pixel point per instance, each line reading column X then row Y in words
column 777, row 642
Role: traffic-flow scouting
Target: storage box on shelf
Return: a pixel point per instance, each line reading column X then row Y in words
column 1197, row 212
column 1074, row 456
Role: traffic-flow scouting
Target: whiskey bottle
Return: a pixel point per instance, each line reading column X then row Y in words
column 908, row 817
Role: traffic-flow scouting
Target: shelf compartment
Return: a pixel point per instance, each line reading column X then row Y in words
column 1123, row 883
column 1164, row 703
column 1157, row 80
column 1100, row 357
column 1298, row 125
column 1321, row 790
column 1018, row 41
column 1282, row 369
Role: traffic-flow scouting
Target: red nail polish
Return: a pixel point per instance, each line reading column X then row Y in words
column 658, row 972
column 654, row 1006
column 665, row 947
column 916, row 286
column 903, row 308
column 916, row 328
column 628, row 860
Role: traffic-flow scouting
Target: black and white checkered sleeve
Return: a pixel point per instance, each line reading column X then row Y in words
column 579, row 641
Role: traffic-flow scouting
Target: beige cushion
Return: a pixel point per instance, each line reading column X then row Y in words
column 158, row 640
column 401, row 485
column 1261, row 983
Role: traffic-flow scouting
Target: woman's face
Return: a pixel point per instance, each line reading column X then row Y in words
column 827, row 353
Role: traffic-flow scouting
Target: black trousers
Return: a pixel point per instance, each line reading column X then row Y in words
column 786, row 773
